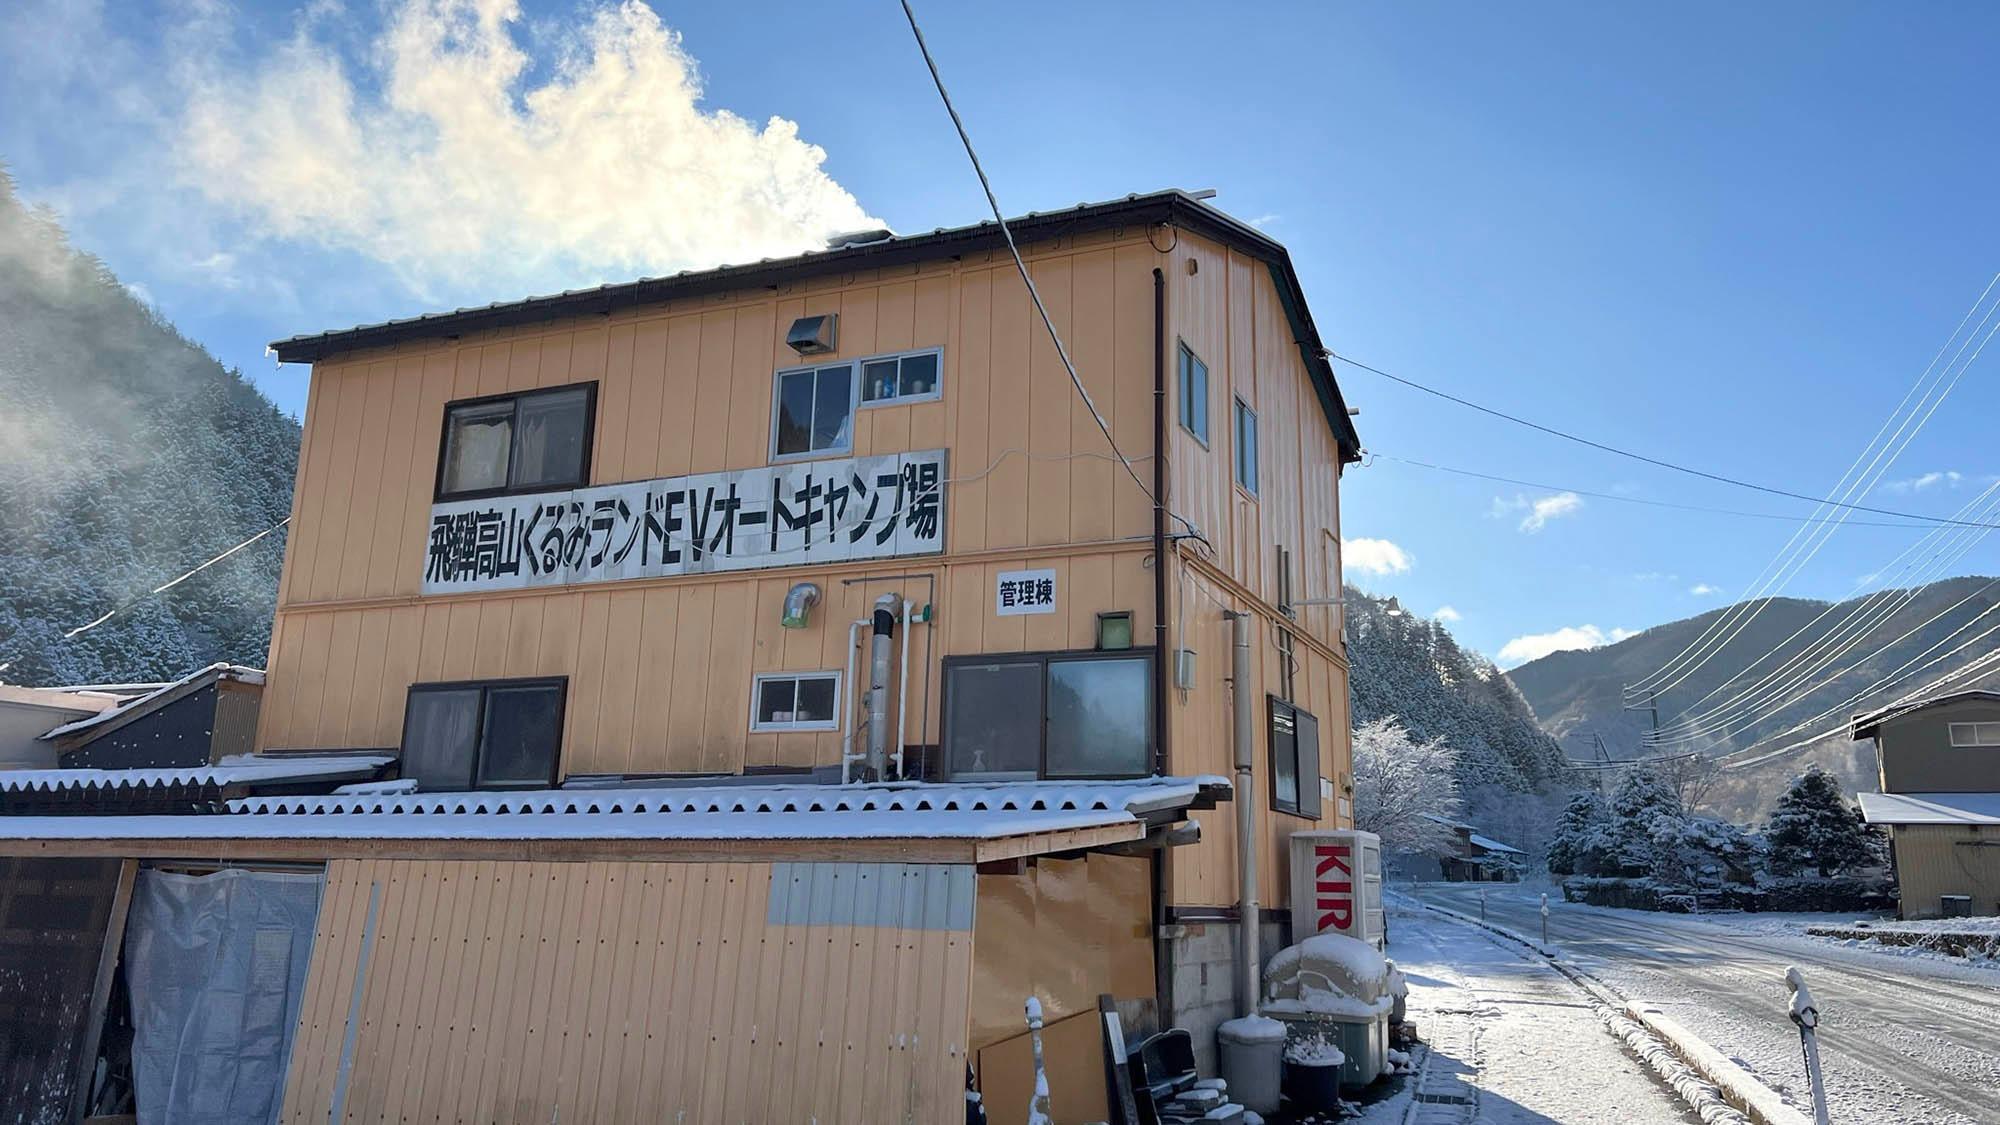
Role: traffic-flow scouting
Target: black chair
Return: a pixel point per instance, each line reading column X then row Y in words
column 1161, row 1066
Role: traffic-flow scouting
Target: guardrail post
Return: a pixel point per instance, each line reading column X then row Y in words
column 1805, row 1013
column 1545, row 919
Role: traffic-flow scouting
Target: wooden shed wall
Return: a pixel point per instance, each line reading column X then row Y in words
column 614, row 992
column 1933, row 860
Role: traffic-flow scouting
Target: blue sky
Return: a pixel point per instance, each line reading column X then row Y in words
column 1730, row 236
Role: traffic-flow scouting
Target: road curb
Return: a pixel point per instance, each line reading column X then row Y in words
column 1741, row 1090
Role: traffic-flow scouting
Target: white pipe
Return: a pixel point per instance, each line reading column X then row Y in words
column 847, row 705
column 1248, row 961
column 903, row 693
column 887, row 608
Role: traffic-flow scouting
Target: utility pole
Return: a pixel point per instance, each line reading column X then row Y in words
column 1652, row 705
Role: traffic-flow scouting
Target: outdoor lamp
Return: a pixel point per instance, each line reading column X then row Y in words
column 1114, row 630
column 799, row 601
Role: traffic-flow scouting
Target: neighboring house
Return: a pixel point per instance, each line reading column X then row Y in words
column 791, row 678
column 1473, row 858
column 26, row 714
column 198, row 720
column 1940, row 800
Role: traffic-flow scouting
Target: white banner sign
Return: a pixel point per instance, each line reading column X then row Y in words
column 1024, row 591
column 777, row 515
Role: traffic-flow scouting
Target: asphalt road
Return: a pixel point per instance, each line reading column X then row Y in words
column 1902, row 1039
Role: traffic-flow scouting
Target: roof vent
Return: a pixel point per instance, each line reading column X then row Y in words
column 812, row 335
column 859, row 238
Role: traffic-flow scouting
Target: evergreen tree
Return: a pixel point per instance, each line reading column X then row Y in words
column 1577, row 846
column 1640, row 799
column 1813, row 827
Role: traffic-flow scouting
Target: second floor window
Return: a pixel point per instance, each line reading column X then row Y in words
column 813, row 410
column 1975, row 734
column 1053, row 715
column 1246, row 447
column 529, row 442
column 492, row 734
column 1194, row 395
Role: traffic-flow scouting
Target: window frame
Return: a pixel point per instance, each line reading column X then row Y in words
column 560, row 683
column 589, row 387
column 1951, row 735
column 1241, row 411
column 1308, row 805
column 1182, row 356
column 1044, row 658
column 863, row 402
column 856, row 400
column 758, row 681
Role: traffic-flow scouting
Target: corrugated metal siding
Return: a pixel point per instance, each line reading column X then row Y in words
column 1935, row 860
column 641, row 992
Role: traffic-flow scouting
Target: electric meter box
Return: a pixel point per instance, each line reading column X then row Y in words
column 1337, row 885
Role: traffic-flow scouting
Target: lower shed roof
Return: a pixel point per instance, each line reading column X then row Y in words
column 914, row 823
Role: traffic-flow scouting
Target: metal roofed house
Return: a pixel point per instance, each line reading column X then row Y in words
column 723, row 620
column 1473, row 858
column 27, row 713
column 1940, row 801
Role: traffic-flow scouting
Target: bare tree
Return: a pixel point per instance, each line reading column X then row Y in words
column 1692, row 778
column 1399, row 783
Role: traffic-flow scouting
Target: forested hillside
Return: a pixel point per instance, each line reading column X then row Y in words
column 1888, row 634
column 127, row 455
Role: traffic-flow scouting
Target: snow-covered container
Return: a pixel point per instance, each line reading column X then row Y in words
column 1251, row 1050
column 1334, row 991
column 1337, row 885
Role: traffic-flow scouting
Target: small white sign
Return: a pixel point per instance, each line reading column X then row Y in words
column 1024, row 591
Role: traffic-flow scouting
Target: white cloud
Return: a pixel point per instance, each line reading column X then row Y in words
column 445, row 161
column 1447, row 614
column 1949, row 478
column 1534, row 646
column 1538, row 511
column 1703, row 590
column 1374, row 556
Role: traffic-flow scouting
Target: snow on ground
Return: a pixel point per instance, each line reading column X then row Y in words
column 1521, row 1042
column 1904, row 1038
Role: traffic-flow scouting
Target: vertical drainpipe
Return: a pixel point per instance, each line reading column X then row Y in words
column 1163, row 976
column 1249, row 957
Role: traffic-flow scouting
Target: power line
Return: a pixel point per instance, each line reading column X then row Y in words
column 1654, row 461
column 1372, row 453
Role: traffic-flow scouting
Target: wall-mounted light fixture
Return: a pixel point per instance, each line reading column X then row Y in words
column 813, row 335
column 799, row 601
column 1114, row 630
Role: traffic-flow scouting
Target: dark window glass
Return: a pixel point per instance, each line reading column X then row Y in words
column 994, row 718
column 476, row 443
column 1308, row 743
column 920, row 375
column 1246, row 446
column 832, row 402
column 549, row 439
column 795, row 407
column 777, row 700
column 521, row 736
column 1284, row 757
column 440, row 738
column 1194, row 394
column 1099, row 718
column 816, row 699
column 878, row 380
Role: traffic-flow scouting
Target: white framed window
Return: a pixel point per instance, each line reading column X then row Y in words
column 1975, row 734
column 902, row 378
column 795, row 701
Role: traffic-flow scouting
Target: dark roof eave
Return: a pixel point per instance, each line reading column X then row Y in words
column 1175, row 207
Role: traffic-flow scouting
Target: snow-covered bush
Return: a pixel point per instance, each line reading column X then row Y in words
column 1398, row 782
column 1814, row 828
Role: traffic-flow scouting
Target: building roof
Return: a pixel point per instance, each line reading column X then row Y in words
column 238, row 770
column 1865, row 725
column 124, row 711
column 1491, row 845
column 912, row 822
column 1172, row 206
column 1930, row 808
column 63, row 701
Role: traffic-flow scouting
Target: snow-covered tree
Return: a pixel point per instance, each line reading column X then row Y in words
column 1582, row 836
column 1640, row 799
column 1814, row 828
column 1399, row 782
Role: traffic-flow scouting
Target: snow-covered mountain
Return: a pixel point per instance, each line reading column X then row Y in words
column 127, row 456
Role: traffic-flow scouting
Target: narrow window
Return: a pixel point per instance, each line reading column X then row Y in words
column 1295, row 777
column 1246, row 447
column 814, row 411
column 530, row 442
column 899, row 378
column 1194, row 394
column 499, row 734
column 796, row 701
column 1055, row 715
column 1975, row 734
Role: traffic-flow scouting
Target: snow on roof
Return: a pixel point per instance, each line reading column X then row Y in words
column 1448, row 823
column 779, row 812
column 1494, row 845
column 237, row 769
column 1930, row 808
column 140, row 703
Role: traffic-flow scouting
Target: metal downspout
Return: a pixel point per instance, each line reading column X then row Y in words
column 1248, row 959
column 1163, row 975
